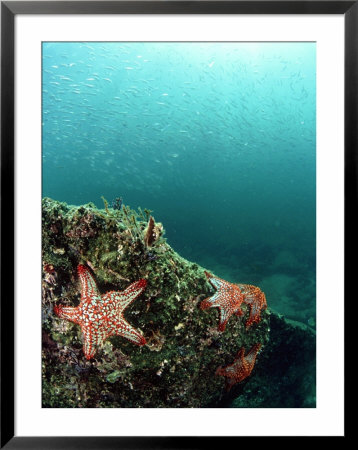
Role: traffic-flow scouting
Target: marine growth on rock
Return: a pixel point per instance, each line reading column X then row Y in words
column 174, row 359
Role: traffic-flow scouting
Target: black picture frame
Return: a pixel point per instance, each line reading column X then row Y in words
column 9, row 10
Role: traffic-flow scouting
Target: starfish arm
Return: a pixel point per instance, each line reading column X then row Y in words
column 230, row 382
column 216, row 282
column 224, row 317
column 92, row 340
column 126, row 330
column 257, row 302
column 220, row 371
column 250, row 358
column 234, row 373
column 67, row 312
column 240, row 353
column 131, row 293
column 210, row 301
column 88, row 285
column 230, row 371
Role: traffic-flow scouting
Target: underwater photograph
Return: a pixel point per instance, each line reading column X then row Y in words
column 178, row 225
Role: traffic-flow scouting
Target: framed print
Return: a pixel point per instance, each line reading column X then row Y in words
column 173, row 222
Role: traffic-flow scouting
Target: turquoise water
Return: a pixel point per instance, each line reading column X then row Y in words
column 218, row 139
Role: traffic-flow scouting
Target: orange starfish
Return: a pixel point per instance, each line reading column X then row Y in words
column 255, row 298
column 241, row 368
column 101, row 316
column 229, row 297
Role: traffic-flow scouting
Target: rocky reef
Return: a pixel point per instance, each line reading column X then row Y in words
column 176, row 363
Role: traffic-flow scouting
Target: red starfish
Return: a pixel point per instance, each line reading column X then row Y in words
column 241, row 368
column 229, row 297
column 101, row 316
column 255, row 298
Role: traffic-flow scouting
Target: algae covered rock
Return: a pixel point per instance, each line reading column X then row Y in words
column 177, row 366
